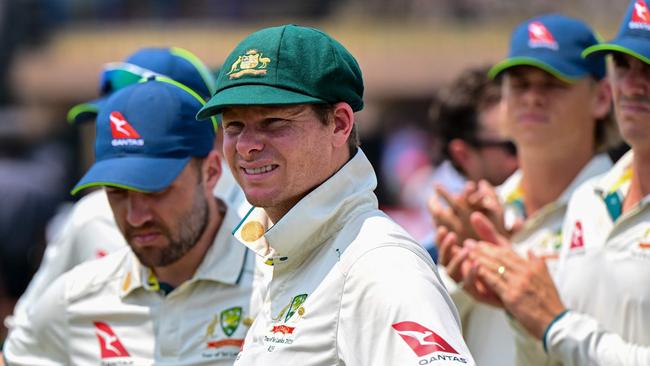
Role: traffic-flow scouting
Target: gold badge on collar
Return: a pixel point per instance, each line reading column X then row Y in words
column 250, row 63
column 252, row 231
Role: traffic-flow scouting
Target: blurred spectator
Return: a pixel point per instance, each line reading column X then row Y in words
column 33, row 176
column 466, row 117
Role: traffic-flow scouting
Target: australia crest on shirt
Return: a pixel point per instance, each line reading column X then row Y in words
column 282, row 329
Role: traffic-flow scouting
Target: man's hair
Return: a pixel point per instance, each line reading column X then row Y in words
column 324, row 112
column 457, row 106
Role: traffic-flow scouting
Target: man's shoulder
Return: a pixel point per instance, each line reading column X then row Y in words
column 94, row 275
column 375, row 232
column 93, row 206
column 585, row 195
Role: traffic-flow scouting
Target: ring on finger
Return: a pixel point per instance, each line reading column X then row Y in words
column 501, row 271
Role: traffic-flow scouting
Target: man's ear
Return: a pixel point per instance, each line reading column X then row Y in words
column 211, row 169
column 343, row 117
column 602, row 102
column 459, row 152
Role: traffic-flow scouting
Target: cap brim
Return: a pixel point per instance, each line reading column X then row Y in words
column 85, row 112
column 253, row 95
column 638, row 48
column 531, row 61
column 142, row 174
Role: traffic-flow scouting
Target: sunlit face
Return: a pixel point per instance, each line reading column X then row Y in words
column 277, row 154
column 630, row 80
column 162, row 227
column 546, row 113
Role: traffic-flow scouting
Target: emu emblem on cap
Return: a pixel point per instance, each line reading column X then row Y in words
column 250, row 63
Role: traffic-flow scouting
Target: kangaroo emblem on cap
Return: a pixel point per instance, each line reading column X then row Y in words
column 250, row 63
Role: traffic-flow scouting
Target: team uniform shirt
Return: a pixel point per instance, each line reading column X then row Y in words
column 91, row 232
column 541, row 234
column 349, row 286
column 113, row 311
column 604, row 276
column 487, row 332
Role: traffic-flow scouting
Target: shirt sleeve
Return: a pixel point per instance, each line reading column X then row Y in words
column 578, row 339
column 83, row 238
column 54, row 263
column 465, row 304
column 395, row 311
column 40, row 338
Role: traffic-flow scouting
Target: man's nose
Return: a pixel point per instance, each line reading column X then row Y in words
column 139, row 209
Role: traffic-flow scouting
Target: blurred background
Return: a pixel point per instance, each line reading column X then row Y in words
column 52, row 51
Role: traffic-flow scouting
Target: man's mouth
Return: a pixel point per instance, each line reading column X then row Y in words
column 260, row 170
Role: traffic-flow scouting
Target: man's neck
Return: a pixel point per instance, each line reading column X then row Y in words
column 546, row 176
column 183, row 269
column 341, row 158
column 640, row 183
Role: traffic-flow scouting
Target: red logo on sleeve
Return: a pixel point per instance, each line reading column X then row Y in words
column 576, row 237
column 121, row 128
column 109, row 344
column 422, row 340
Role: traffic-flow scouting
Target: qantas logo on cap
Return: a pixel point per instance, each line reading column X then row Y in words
column 540, row 36
column 123, row 132
column 422, row 340
column 109, row 344
column 640, row 16
column 577, row 240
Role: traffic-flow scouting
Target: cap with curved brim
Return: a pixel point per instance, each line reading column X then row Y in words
column 635, row 47
column 142, row 174
column 85, row 112
column 570, row 74
column 253, row 95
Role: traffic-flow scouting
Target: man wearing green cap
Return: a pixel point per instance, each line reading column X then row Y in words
column 557, row 113
column 349, row 286
column 600, row 311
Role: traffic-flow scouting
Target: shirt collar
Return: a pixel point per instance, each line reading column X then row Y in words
column 612, row 180
column 512, row 192
column 223, row 262
column 316, row 217
column 598, row 165
column 613, row 186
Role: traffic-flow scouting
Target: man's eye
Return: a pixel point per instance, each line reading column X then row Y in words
column 620, row 61
column 114, row 192
column 276, row 122
column 518, row 85
column 556, row 85
column 232, row 127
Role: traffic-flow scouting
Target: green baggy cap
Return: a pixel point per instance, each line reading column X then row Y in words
column 287, row 65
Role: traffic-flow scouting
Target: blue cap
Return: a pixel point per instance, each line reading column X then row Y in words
column 553, row 43
column 146, row 134
column 175, row 63
column 633, row 37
